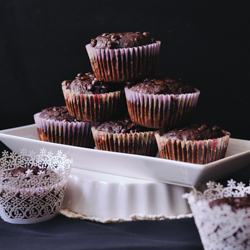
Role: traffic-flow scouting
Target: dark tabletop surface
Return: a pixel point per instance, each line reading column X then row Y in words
column 64, row 233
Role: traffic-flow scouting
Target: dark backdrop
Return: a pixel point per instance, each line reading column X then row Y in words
column 206, row 43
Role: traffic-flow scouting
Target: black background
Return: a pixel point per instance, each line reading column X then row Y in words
column 206, row 43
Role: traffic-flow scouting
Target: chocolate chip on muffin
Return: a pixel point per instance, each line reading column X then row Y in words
column 162, row 85
column 88, row 84
column 122, row 40
column 120, row 126
column 57, row 113
column 194, row 132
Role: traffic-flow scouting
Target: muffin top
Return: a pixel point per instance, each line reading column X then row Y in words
column 57, row 113
column 234, row 202
column 23, row 170
column 162, row 85
column 88, row 84
column 28, row 177
column 194, row 132
column 120, row 126
column 122, row 40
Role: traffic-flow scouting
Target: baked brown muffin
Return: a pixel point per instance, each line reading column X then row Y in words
column 161, row 102
column 195, row 143
column 120, row 57
column 55, row 124
column 122, row 135
column 234, row 202
column 222, row 215
column 88, row 99
column 30, row 193
column 122, row 40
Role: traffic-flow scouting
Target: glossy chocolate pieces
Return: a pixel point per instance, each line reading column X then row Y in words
column 194, row 132
column 162, row 85
column 88, row 84
column 122, row 40
column 57, row 113
column 121, row 126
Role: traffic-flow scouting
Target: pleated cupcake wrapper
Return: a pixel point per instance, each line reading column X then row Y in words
column 200, row 152
column 142, row 143
column 125, row 64
column 161, row 111
column 95, row 107
column 63, row 132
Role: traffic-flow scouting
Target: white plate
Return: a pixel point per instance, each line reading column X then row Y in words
column 110, row 198
column 142, row 167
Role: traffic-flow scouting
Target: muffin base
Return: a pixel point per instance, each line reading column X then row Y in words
column 126, row 64
column 161, row 111
column 68, row 133
column 142, row 143
column 200, row 152
column 94, row 107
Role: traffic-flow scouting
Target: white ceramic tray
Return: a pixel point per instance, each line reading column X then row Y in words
column 141, row 167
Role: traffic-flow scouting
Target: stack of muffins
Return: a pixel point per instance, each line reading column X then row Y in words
column 129, row 109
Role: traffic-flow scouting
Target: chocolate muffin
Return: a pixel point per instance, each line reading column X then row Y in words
column 88, row 99
column 161, row 102
column 222, row 215
column 194, row 132
column 30, row 194
column 122, row 135
column 234, row 202
column 122, row 40
column 195, row 143
column 120, row 57
column 55, row 124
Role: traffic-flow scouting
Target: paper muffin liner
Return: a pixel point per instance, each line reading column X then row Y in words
column 64, row 132
column 95, row 107
column 200, row 151
column 125, row 64
column 161, row 111
column 27, row 198
column 142, row 143
column 220, row 227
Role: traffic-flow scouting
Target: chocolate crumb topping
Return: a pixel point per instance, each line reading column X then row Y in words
column 234, row 202
column 121, row 126
column 57, row 113
column 88, row 84
column 194, row 132
column 162, row 85
column 122, row 40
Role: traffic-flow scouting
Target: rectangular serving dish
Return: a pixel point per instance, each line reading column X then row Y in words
column 135, row 166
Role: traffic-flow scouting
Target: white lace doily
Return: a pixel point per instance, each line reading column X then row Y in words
column 220, row 227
